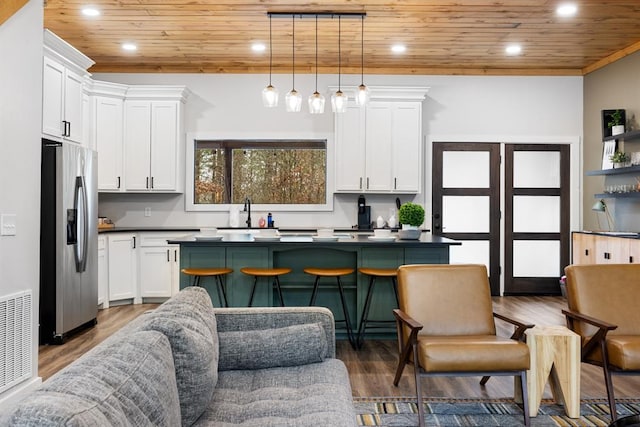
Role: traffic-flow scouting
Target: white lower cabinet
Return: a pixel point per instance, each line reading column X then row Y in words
column 103, row 272
column 122, row 266
column 159, row 262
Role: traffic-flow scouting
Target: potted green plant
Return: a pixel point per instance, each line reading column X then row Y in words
column 619, row 159
column 615, row 123
column 411, row 216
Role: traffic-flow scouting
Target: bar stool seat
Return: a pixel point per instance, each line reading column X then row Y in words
column 265, row 272
column 373, row 274
column 216, row 272
column 337, row 273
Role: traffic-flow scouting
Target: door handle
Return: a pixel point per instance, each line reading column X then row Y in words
column 134, row 242
column 118, row 182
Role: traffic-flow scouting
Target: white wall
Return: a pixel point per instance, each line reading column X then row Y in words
column 459, row 108
column 20, row 124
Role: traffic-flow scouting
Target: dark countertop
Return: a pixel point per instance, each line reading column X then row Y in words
column 623, row 234
column 189, row 229
column 345, row 239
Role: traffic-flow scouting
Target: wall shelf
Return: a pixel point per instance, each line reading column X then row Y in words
column 629, row 195
column 617, row 171
column 633, row 134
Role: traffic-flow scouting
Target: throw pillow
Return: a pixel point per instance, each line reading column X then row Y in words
column 258, row 349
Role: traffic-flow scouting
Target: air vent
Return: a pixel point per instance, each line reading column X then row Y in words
column 15, row 339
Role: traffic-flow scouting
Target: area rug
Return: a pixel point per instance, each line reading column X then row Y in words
column 403, row 412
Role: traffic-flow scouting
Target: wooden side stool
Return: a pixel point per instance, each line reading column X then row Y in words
column 265, row 272
column 337, row 273
column 373, row 274
column 216, row 273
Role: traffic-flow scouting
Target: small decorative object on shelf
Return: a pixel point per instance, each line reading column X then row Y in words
column 613, row 122
column 619, row 159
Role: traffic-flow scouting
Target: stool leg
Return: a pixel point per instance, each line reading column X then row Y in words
column 365, row 311
column 394, row 283
column 346, row 314
column 196, row 281
column 217, row 286
column 253, row 290
column 314, row 293
column 277, row 283
column 222, row 286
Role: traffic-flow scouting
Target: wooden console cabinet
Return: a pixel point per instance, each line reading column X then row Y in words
column 595, row 248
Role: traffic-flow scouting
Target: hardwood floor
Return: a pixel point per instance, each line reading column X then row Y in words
column 372, row 369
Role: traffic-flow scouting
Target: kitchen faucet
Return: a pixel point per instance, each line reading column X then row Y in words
column 247, row 209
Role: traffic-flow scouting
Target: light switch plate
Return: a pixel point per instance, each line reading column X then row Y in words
column 7, row 225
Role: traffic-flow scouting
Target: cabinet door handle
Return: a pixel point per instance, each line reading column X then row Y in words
column 134, row 242
column 64, row 128
column 151, row 182
column 361, row 183
column 175, row 255
column 68, row 129
column 367, row 183
column 586, row 252
column 147, row 185
column 118, row 182
column 168, row 260
column 630, row 259
column 395, row 183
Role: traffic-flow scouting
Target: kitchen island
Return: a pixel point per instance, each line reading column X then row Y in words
column 300, row 250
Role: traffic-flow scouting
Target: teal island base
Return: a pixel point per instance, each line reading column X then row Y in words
column 354, row 251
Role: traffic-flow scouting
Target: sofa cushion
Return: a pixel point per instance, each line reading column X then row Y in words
column 129, row 382
column 318, row 394
column 188, row 321
column 289, row 346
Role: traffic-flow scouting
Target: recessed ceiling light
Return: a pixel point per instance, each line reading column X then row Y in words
column 258, row 47
column 90, row 11
column 567, row 9
column 513, row 49
column 398, row 48
column 129, row 47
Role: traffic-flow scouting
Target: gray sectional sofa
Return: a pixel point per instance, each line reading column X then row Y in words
column 186, row 363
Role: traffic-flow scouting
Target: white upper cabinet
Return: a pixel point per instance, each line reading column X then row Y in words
column 153, row 138
column 63, row 75
column 107, row 133
column 379, row 147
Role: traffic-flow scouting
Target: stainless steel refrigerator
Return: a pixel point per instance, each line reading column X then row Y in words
column 68, row 240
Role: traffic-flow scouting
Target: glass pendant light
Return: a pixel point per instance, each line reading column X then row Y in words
column 293, row 100
column 339, row 99
column 316, row 100
column 362, row 93
column 270, row 93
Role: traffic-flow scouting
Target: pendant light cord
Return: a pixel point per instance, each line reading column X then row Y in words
column 339, row 51
column 362, row 50
column 270, row 51
column 316, row 53
column 293, row 52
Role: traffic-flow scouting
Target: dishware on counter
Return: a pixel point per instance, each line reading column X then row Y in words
column 382, row 232
column 325, row 232
column 392, row 222
column 382, row 238
column 208, row 238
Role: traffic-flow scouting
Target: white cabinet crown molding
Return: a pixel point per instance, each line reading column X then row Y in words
column 158, row 92
column 390, row 93
column 107, row 89
column 69, row 56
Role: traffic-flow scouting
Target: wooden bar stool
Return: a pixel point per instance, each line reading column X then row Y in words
column 265, row 272
column 216, row 273
column 337, row 273
column 373, row 274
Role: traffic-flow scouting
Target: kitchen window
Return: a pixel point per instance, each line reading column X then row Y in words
column 269, row 172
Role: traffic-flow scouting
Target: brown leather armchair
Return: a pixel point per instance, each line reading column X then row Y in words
column 603, row 310
column 446, row 323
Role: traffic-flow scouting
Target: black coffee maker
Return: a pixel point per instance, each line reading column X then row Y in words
column 364, row 214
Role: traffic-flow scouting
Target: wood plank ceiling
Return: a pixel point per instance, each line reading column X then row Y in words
column 441, row 37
